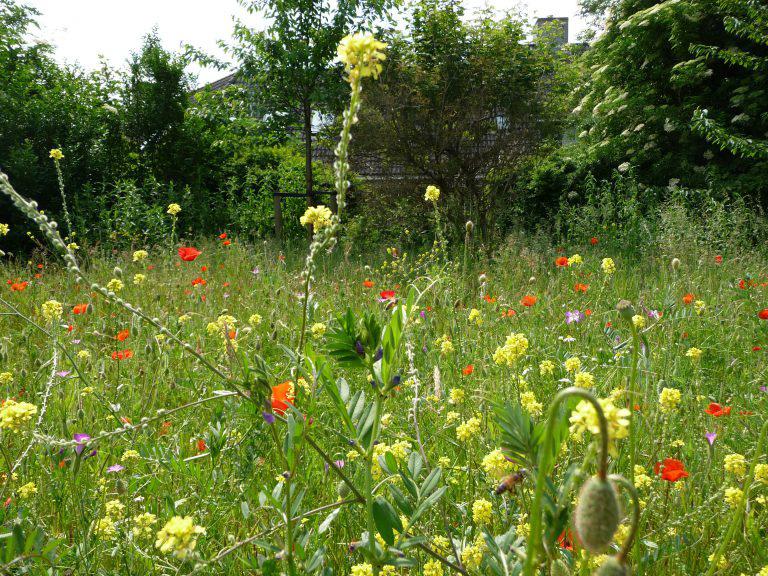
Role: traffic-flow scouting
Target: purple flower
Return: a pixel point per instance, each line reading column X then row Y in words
column 255, row 271
column 82, row 440
column 423, row 315
column 115, row 468
column 710, row 436
column 62, row 373
column 77, row 341
column 359, row 348
column 269, row 418
column 764, row 389
column 574, row 316
column 654, row 314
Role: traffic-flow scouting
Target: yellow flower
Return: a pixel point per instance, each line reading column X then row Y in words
column 142, row 525
column 433, row 568
column 105, row 529
column 73, row 246
column 56, row 154
column 173, row 209
column 761, row 473
column 608, row 266
column 475, row 316
column 318, row 330
column 364, row 569
column 115, row 285
column 129, row 456
column 700, row 306
column 6, row 377
column 361, row 55
column 466, row 430
column 432, row 194
column 531, row 405
column 138, row 279
column 584, row 418
column 456, row 396
column 481, row 511
column 514, row 348
column 451, row 417
column 15, row 414
column 638, row 321
column 445, row 344
column 27, row 491
column 575, row 259
column 140, row 255
column 318, row 216
column 583, row 379
column 179, row 536
column 694, row 354
column 255, row 319
column 52, row 310
column 84, row 355
column 87, row 390
column 736, row 464
column 669, row 399
column 114, row 509
column 546, row 367
column 573, row 364
column 496, row 465
column 4, row 229
column 734, row 497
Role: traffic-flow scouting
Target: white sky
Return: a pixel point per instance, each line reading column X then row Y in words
column 84, row 30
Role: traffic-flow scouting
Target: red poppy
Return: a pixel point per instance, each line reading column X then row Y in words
column 716, row 410
column 39, row 266
column 718, row 259
column 688, row 298
column 188, row 253
column 489, row 299
column 468, row 369
column 164, row 428
column 671, row 469
column 756, row 348
column 70, row 328
column 198, row 281
column 508, row 314
column 763, row 314
column 201, row 445
column 579, row 287
column 528, row 300
column 593, row 240
column 561, row 262
column 282, row 395
column 122, row 354
column 223, row 236
column 367, row 283
column 80, row 309
column 123, row 335
column 588, row 312
column 19, row 286
column 226, row 243
column 387, row 294
column 565, row 540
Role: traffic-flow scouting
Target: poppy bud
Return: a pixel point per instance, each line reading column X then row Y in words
column 559, row 568
column 532, row 280
column 675, row 263
column 597, row 514
column 626, row 310
column 118, row 272
column 120, row 486
column 342, row 489
column 612, row 567
column 469, row 226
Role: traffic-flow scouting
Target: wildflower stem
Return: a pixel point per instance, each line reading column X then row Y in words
column 629, row 487
column 545, row 462
column 631, row 395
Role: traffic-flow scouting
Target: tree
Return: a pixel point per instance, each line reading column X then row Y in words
column 290, row 64
column 459, row 99
column 676, row 90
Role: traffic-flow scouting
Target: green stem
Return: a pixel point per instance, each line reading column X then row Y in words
column 629, row 487
column 631, row 394
column 545, row 463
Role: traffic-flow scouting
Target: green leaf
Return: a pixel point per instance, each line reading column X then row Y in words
column 386, row 520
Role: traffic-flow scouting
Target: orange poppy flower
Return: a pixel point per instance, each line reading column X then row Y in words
column 19, row 286
column 528, row 300
column 468, row 369
column 671, row 469
column 579, row 287
column 123, row 335
column 223, row 236
column 593, row 241
column 122, row 354
column 367, row 283
column 387, row 294
column 201, row 445
column 198, row 281
column 80, row 309
column 688, row 298
column 561, row 262
column 489, row 299
column 282, row 395
column 716, row 410
column 188, row 253
column 718, row 259
column 226, row 243
column 763, row 314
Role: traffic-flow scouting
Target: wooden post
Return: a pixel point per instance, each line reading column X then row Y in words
column 278, row 216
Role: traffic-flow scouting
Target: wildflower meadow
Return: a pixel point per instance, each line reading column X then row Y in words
column 210, row 402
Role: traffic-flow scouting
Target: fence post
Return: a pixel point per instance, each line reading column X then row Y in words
column 278, row 216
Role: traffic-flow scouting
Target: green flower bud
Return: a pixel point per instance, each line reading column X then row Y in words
column 626, row 310
column 342, row 489
column 597, row 515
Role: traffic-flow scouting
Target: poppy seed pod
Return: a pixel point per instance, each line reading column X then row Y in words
column 342, row 489
column 613, row 567
column 675, row 263
column 597, row 514
column 118, row 272
column 626, row 310
column 559, row 568
column 469, row 226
